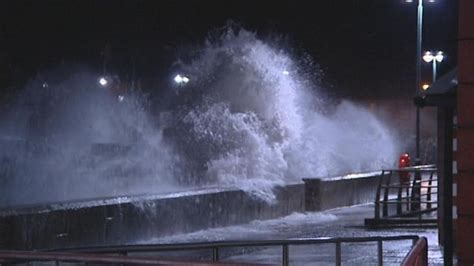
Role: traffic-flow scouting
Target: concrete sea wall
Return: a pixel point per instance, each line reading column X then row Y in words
column 131, row 219
column 324, row 194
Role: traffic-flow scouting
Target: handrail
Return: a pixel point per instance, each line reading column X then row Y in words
column 239, row 243
column 413, row 188
column 410, row 169
column 408, row 186
column 122, row 251
column 417, row 168
column 216, row 246
column 418, row 255
column 16, row 255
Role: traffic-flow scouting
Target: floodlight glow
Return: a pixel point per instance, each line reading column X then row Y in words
column 425, row 86
column 409, row 1
column 428, row 57
column 181, row 79
column 178, row 79
column 439, row 56
column 286, row 73
column 102, row 81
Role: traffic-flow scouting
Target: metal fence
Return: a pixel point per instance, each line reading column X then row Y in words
column 216, row 247
column 410, row 198
column 11, row 257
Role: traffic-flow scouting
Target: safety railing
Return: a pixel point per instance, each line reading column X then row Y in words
column 418, row 255
column 411, row 197
column 217, row 247
column 15, row 256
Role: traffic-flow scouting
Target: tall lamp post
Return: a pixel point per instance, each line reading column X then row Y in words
column 418, row 72
column 430, row 57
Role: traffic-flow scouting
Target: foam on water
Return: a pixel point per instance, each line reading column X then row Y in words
column 273, row 228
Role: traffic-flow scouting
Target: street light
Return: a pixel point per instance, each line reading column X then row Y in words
column 418, row 73
column 103, row 82
column 430, row 57
column 181, row 80
column 447, row 219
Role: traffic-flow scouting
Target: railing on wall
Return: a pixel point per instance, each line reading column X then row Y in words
column 398, row 201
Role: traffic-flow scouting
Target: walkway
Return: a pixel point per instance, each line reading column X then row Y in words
column 342, row 222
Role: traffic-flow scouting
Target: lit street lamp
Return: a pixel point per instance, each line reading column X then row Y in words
column 103, row 82
column 430, row 57
column 425, row 86
column 181, row 80
column 418, row 72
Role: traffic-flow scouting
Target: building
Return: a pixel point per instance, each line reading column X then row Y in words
column 463, row 163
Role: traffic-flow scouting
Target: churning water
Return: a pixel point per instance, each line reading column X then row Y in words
column 248, row 118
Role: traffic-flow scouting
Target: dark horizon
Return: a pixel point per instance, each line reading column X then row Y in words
column 366, row 49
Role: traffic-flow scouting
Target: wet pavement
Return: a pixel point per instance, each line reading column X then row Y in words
column 341, row 222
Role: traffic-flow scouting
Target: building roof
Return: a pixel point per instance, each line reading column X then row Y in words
column 445, row 84
column 441, row 93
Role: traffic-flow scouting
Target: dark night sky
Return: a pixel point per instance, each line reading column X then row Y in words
column 365, row 47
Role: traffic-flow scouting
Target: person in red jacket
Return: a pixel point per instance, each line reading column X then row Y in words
column 402, row 163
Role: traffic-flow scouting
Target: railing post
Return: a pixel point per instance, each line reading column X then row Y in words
column 380, row 252
column 409, row 189
column 385, row 196
column 123, row 253
column 399, row 199
column 428, row 196
column 425, row 254
column 215, row 254
column 377, row 196
column 285, row 255
column 338, row 253
column 416, row 191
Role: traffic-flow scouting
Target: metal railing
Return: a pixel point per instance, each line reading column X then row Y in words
column 418, row 189
column 418, row 255
column 16, row 256
column 216, row 247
